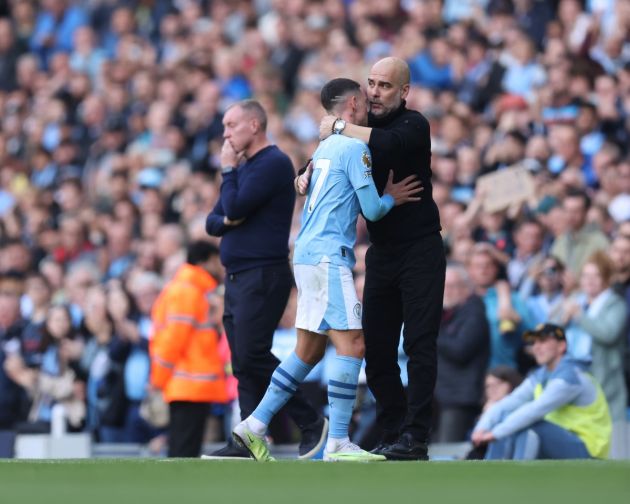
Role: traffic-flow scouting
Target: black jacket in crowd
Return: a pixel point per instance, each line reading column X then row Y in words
column 463, row 348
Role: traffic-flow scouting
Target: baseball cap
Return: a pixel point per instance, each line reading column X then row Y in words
column 544, row 331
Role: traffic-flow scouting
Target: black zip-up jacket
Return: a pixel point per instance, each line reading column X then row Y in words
column 401, row 142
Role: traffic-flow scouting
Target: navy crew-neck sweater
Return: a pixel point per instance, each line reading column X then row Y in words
column 260, row 191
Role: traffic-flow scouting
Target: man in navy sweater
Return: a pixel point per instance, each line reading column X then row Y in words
column 253, row 215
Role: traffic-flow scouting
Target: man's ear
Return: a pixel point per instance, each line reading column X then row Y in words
column 404, row 91
column 254, row 125
column 354, row 103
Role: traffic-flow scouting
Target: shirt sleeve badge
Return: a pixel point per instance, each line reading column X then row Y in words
column 367, row 162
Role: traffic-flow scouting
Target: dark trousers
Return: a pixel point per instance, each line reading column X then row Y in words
column 186, row 428
column 255, row 300
column 403, row 283
column 455, row 422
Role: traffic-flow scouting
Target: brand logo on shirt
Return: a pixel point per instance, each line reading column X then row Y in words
column 357, row 310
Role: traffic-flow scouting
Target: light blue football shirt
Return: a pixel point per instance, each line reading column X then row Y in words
column 341, row 166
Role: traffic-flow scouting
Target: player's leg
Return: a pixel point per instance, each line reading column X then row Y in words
column 284, row 383
column 344, row 317
column 287, row 377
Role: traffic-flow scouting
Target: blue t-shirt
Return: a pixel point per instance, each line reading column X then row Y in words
column 341, row 166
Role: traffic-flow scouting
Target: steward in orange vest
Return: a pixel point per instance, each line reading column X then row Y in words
column 185, row 360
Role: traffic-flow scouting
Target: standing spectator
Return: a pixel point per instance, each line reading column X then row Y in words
column 596, row 319
column 254, row 215
column 547, row 278
column 528, row 238
column 97, row 329
column 558, row 412
column 54, row 28
column 185, row 362
column 620, row 254
column 463, row 348
column 404, row 280
column 579, row 241
column 55, row 381
column 9, row 54
column 12, row 395
column 505, row 310
column 36, row 303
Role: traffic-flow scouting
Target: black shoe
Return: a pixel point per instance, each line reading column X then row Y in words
column 229, row 451
column 380, row 448
column 406, row 448
column 313, row 438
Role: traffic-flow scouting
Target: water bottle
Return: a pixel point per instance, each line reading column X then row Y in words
column 58, row 421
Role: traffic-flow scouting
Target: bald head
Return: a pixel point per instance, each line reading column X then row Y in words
column 396, row 68
column 388, row 85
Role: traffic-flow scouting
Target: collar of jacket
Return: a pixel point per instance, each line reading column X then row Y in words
column 375, row 122
column 187, row 273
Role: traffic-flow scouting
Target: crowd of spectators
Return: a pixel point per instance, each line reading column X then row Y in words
column 110, row 131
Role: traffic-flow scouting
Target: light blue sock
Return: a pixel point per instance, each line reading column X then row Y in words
column 284, row 383
column 342, row 392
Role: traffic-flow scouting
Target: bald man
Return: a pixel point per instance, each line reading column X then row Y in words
column 404, row 281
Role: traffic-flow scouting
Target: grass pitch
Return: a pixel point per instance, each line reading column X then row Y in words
column 226, row 482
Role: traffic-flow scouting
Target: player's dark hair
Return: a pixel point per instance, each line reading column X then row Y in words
column 335, row 92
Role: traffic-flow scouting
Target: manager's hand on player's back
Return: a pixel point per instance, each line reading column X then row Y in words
column 405, row 191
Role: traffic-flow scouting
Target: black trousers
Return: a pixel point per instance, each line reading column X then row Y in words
column 186, row 428
column 403, row 283
column 255, row 300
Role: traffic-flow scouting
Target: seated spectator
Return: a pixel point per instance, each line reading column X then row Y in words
column 558, row 412
column 463, row 348
column 500, row 381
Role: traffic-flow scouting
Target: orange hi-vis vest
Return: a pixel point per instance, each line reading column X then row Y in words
column 185, row 360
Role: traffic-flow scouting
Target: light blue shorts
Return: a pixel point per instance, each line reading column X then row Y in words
column 327, row 298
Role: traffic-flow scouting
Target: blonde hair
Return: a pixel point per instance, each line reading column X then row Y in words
column 602, row 261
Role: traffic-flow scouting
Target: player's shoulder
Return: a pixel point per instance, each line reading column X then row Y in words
column 341, row 145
